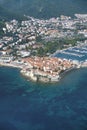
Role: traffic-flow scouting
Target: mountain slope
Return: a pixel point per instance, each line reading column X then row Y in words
column 45, row 8
column 8, row 14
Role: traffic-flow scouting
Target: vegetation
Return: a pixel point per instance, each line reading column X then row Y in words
column 2, row 24
column 51, row 47
column 8, row 15
column 38, row 39
column 44, row 8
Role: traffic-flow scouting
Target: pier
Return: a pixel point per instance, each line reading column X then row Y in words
column 73, row 54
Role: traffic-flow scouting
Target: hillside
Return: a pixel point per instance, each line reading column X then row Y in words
column 7, row 14
column 44, row 8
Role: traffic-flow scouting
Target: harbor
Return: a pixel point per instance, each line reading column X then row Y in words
column 73, row 53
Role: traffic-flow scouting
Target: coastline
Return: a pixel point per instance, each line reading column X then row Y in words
column 36, row 78
column 46, row 80
column 69, row 70
column 32, row 74
column 26, row 57
column 43, row 80
column 61, row 75
column 30, row 77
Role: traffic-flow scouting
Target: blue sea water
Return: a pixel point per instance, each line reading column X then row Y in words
column 26, row 105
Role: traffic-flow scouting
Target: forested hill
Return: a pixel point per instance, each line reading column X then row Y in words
column 42, row 8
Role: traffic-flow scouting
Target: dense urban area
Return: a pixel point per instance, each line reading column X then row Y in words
column 29, row 44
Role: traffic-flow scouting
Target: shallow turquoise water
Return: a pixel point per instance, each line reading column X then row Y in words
column 26, row 105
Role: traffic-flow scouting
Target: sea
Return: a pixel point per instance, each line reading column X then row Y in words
column 28, row 105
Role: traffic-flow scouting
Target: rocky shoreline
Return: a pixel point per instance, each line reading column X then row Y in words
column 37, row 75
column 39, row 78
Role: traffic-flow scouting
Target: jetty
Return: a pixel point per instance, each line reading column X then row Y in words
column 73, row 54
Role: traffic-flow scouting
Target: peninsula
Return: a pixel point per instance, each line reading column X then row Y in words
column 46, row 68
column 31, row 45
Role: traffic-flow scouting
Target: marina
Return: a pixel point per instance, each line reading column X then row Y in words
column 73, row 53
